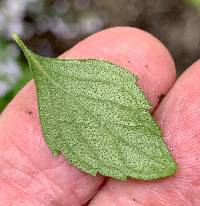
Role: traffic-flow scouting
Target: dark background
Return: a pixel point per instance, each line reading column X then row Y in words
column 50, row 27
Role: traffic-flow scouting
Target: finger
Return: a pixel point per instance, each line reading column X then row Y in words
column 28, row 165
column 178, row 116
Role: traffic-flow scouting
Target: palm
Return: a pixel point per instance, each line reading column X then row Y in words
column 31, row 175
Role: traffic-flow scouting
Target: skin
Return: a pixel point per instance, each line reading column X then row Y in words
column 30, row 175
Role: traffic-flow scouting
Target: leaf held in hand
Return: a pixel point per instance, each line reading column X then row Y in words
column 94, row 114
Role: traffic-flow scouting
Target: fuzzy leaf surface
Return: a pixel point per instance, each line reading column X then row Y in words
column 94, row 113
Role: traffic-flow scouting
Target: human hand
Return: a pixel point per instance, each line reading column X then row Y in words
column 31, row 175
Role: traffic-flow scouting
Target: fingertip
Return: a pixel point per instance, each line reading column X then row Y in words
column 178, row 115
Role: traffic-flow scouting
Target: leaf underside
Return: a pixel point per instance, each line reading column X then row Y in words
column 94, row 113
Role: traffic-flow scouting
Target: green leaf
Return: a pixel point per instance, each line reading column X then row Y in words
column 94, row 113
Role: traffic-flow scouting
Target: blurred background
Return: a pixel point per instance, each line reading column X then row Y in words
column 50, row 27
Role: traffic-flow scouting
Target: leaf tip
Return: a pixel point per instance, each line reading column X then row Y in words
column 174, row 167
column 15, row 36
column 171, row 168
column 20, row 43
